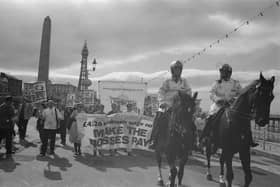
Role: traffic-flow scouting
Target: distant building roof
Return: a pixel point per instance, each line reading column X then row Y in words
column 8, row 76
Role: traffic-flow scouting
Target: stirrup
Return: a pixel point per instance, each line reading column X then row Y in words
column 152, row 145
column 253, row 144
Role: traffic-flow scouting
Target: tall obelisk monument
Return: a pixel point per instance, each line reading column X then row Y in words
column 43, row 74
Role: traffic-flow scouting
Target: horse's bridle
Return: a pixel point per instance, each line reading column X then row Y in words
column 179, row 128
column 249, row 115
column 242, row 114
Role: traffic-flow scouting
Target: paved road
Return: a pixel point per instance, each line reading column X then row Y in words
column 139, row 170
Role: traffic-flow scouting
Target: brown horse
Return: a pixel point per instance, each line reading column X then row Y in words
column 233, row 128
column 176, row 136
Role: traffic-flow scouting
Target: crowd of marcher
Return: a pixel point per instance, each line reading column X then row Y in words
column 49, row 119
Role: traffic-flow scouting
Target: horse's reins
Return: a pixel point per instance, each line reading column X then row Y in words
column 243, row 114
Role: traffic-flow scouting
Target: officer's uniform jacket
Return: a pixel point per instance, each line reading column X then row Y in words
column 223, row 90
column 170, row 88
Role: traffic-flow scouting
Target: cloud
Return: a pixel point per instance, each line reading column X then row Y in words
column 129, row 32
column 137, row 40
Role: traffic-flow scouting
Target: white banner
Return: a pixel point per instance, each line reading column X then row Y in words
column 28, row 91
column 122, row 93
column 35, row 92
column 40, row 91
column 121, row 130
column 70, row 100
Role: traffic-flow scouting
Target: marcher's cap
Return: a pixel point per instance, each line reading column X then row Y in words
column 79, row 104
column 9, row 98
column 226, row 67
column 51, row 101
column 129, row 105
column 26, row 99
column 176, row 63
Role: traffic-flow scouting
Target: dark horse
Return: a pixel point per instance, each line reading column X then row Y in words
column 176, row 136
column 233, row 128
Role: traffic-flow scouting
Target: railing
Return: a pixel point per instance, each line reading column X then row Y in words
column 268, row 136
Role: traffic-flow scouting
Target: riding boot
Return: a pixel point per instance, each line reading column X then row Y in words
column 79, row 149
column 252, row 143
column 155, row 131
column 76, row 148
column 207, row 129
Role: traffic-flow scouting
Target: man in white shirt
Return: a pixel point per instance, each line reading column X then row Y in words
column 167, row 91
column 51, row 117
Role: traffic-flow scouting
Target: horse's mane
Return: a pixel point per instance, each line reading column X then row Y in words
column 248, row 87
column 244, row 91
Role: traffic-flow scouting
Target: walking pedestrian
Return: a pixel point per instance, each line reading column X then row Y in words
column 51, row 117
column 76, row 132
column 7, row 115
column 25, row 113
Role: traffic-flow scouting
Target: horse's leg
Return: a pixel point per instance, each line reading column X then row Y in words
column 245, row 158
column 173, row 170
column 182, row 163
column 222, row 163
column 159, row 160
column 208, row 158
column 172, row 176
column 229, row 176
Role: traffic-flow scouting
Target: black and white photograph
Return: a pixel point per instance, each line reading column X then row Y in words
column 139, row 93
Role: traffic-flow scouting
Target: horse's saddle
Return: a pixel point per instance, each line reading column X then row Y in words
column 216, row 117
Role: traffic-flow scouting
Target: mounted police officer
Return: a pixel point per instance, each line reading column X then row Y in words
column 223, row 93
column 167, row 91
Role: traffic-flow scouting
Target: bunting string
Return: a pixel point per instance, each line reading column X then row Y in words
column 227, row 35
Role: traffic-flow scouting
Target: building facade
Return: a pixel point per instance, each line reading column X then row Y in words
column 10, row 85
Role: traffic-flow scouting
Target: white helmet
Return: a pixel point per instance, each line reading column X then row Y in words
column 176, row 63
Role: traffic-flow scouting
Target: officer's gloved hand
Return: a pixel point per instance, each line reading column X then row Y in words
column 221, row 102
column 163, row 107
column 231, row 100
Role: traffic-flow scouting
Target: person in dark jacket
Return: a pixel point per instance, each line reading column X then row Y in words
column 40, row 121
column 25, row 113
column 7, row 115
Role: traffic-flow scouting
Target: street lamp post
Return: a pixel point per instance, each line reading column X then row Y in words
column 94, row 63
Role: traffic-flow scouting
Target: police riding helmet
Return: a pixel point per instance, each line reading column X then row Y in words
column 176, row 64
column 226, row 68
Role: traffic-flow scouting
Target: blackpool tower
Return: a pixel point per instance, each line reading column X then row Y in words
column 84, row 82
column 43, row 74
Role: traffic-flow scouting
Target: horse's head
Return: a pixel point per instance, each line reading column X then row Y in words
column 263, row 97
column 185, row 103
column 181, row 120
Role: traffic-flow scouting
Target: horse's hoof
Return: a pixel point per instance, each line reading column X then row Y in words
column 160, row 183
column 209, row 177
column 169, row 185
column 223, row 184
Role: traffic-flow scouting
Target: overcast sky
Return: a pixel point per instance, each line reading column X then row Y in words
column 138, row 39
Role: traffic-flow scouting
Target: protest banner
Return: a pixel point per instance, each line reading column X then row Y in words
column 40, row 91
column 121, row 130
column 35, row 92
column 70, row 100
column 28, row 91
column 122, row 93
